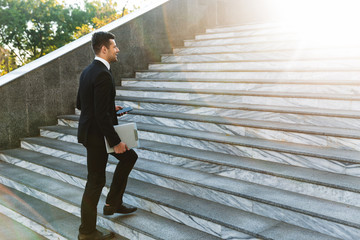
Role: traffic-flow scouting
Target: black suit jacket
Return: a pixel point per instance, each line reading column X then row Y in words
column 96, row 100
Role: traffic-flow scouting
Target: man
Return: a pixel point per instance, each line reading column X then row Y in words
column 96, row 100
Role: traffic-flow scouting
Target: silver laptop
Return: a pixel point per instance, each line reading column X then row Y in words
column 128, row 134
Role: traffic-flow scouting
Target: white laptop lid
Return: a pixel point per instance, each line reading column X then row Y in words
column 128, row 134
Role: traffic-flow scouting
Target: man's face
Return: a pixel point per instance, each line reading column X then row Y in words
column 112, row 51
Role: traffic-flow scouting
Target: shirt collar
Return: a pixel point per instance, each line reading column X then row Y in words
column 106, row 63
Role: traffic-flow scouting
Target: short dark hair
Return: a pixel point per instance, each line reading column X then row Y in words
column 100, row 39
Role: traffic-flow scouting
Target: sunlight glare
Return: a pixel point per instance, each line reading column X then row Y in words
column 328, row 22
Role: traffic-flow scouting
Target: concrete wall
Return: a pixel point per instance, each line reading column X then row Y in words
column 143, row 40
column 36, row 94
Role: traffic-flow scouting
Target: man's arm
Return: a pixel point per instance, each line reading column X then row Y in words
column 103, row 88
column 78, row 103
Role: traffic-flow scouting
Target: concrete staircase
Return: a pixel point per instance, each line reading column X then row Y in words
column 246, row 133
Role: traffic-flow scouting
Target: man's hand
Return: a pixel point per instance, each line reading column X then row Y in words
column 117, row 108
column 121, row 148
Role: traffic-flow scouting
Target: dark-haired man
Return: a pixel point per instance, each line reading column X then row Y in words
column 96, row 100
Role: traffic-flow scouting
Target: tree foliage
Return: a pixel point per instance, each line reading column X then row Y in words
column 7, row 61
column 102, row 13
column 30, row 29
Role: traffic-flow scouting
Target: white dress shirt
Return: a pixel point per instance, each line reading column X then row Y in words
column 106, row 63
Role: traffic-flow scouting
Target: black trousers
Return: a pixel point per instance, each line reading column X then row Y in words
column 97, row 158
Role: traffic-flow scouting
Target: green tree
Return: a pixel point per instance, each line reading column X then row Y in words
column 102, row 13
column 7, row 61
column 32, row 28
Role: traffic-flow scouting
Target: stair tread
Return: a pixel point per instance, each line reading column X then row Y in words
column 232, row 52
column 42, row 213
column 249, row 107
column 287, row 61
column 294, row 148
column 341, row 181
column 352, row 70
column 294, row 201
column 349, row 97
column 281, row 48
column 11, row 229
column 240, row 28
column 247, row 26
column 199, row 207
column 255, row 81
column 272, row 125
column 241, row 37
column 230, row 217
column 143, row 221
column 262, row 38
column 261, row 124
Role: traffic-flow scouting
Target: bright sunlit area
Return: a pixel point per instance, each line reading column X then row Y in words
column 329, row 22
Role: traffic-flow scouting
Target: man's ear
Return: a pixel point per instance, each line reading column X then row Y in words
column 103, row 49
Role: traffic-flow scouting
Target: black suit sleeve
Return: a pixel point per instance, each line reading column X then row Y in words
column 103, row 88
column 78, row 103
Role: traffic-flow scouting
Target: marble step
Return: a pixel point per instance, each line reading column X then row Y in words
column 341, row 138
column 322, row 86
column 49, row 222
column 306, row 181
column 292, row 65
column 244, row 27
column 320, row 158
column 320, row 184
column 284, row 55
column 330, row 218
column 295, row 115
column 218, row 219
column 297, row 47
column 290, row 99
column 242, row 40
column 236, row 32
column 252, row 75
column 282, row 35
column 11, row 229
column 161, row 201
column 141, row 225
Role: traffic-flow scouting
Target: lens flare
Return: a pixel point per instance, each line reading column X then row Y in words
column 326, row 22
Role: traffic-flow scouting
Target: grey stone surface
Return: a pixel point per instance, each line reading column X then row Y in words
column 325, row 185
column 224, row 184
column 249, row 107
column 283, row 230
column 150, row 225
column 340, row 132
column 206, row 211
column 323, row 136
column 5, row 121
column 233, row 218
column 11, row 229
column 321, row 158
column 246, row 93
column 305, row 174
column 50, row 217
